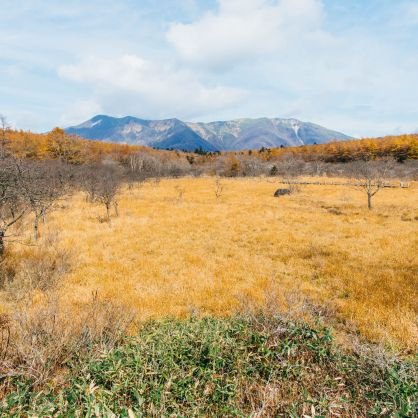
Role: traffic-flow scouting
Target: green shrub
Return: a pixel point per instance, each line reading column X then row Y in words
column 222, row 368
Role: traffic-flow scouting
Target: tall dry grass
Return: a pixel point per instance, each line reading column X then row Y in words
column 178, row 248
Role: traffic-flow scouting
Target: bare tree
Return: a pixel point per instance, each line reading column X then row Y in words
column 370, row 177
column 12, row 205
column 251, row 166
column 4, row 130
column 88, row 179
column 42, row 184
column 142, row 166
column 290, row 167
column 319, row 167
column 108, row 184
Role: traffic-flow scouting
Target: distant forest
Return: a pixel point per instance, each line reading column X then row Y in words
column 71, row 149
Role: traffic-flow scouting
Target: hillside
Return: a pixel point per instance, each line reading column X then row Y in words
column 238, row 134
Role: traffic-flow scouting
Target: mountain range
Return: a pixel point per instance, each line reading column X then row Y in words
column 237, row 134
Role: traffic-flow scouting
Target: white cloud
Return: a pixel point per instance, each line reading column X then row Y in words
column 344, row 79
column 243, row 29
column 80, row 111
column 132, row 84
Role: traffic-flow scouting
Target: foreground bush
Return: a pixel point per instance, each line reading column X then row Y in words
column 221, row 367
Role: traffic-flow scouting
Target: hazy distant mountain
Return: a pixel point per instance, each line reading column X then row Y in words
column 236, row 134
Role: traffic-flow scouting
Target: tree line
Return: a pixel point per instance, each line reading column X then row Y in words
column 57, row 144
column 37, row 170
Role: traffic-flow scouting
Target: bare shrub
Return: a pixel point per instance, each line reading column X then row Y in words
column 289, row 165
column 292, row 185
column 290, row 168
column 41, row 272
column 142, row 166
column 44, row 338
column 252, row 166
column 102, row 184
column 34, row 268
column 219, row 187
column 180, row 193
column 176, row 168
column 318, row 167
column 4, row 336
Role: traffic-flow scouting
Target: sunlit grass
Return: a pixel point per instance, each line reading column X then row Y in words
column 167, row 255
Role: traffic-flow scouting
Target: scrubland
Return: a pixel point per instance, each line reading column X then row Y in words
column 177, row 249
column 223, row 267
column 199, row 293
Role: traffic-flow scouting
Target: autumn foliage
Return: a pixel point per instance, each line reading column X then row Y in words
column 71, row 149
column 58, row 145
column 400, row 148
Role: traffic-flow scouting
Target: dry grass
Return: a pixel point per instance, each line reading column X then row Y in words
column 172, row 253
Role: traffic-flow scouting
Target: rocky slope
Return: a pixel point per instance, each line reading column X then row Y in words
column 238, row 134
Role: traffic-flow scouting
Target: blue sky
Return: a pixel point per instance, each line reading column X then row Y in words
column 350, row 65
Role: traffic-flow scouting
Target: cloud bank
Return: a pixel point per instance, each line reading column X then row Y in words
column 350, row 65
column 157, row 89
column 243, row 29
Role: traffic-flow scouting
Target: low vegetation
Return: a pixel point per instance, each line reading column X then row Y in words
column 244, row 366
column 100, row 244
column 169, row 256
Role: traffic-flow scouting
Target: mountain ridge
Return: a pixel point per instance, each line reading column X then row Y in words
column 230, row 135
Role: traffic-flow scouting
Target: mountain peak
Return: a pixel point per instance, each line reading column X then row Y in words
column 236, row 134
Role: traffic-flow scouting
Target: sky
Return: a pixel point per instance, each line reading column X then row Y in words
column 349, row 65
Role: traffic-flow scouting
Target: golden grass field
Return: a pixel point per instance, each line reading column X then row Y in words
column 177, row 249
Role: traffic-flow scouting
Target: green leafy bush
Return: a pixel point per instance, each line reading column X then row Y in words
column 235, row 367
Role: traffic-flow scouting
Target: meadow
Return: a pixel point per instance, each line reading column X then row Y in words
column 176, row 249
